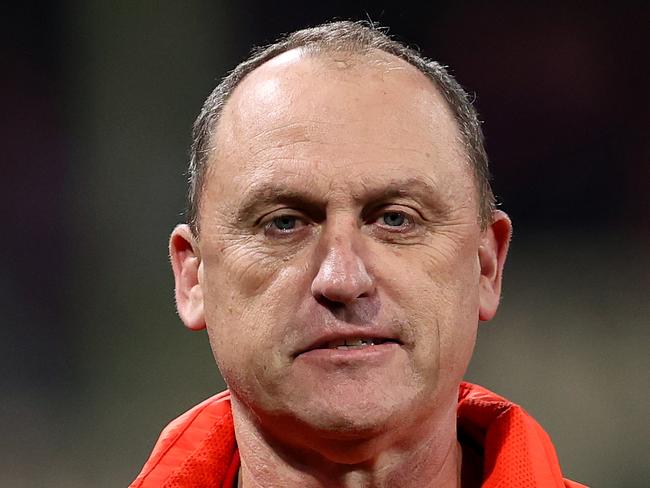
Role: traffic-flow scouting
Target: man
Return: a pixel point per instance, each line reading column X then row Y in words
column 341, row 247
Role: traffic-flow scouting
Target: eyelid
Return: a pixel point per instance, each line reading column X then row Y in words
column 266, row 222
column 412, row 225
column 409, row 212
column 279, row 212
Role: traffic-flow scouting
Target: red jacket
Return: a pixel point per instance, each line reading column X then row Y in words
column 198, row 449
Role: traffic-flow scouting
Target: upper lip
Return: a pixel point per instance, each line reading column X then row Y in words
column 348, row 334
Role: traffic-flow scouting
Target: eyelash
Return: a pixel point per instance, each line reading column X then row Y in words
column 409, row 220
column 269, row 228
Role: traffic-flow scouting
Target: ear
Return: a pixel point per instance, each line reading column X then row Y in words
column 186, row 262
column 492, row 256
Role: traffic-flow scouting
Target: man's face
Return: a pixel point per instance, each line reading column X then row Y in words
column 339, row 245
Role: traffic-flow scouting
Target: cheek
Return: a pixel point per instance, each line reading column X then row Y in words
column 437, row 289
column 249, row 302
column 457, row 299
column 246, row 270
column 443, row 274
column 236, row 271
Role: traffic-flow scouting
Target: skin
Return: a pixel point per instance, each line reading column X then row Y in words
column 339, row 203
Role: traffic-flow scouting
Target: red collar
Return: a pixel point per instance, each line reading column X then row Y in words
column 198, row 449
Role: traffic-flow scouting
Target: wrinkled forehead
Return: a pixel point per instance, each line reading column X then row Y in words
column 321, row 85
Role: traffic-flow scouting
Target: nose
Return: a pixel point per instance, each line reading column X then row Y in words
column 342, row 275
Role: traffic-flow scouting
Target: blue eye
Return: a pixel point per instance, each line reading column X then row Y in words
column 285, row 222
column 394, row 219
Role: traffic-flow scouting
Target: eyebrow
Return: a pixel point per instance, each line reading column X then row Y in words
column 408, row 187
column 264, row 194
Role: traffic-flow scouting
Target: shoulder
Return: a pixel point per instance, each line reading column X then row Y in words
column 513, row 445
column 203, row 438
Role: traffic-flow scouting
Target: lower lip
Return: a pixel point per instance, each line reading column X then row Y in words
column 373, row 353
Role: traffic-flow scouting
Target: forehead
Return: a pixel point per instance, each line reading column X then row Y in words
column 340, row 111
column 328, row 85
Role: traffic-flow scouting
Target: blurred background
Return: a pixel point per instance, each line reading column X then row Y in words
column 98, row 101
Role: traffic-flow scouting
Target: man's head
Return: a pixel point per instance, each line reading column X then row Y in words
column 341, row 264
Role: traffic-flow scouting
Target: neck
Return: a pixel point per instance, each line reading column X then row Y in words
column 422, row 454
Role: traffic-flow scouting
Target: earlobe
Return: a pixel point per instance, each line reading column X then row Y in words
column 492, row 257
column 186, row 264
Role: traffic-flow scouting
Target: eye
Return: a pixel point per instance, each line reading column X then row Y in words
column 394, row 219
column 284, row 222
column 391, row 220
column 283, row 225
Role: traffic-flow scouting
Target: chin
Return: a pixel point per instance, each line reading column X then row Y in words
column 352, row 416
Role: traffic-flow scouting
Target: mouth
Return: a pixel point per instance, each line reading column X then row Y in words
column 355, row 343
column 350, row 344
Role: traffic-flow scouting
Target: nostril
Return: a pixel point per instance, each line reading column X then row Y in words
column 331, row 305
column 361, row 311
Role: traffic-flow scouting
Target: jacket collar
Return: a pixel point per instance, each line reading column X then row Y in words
column 502, row 446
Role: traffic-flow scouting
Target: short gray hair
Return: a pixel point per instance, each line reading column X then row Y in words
column 343, row 36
